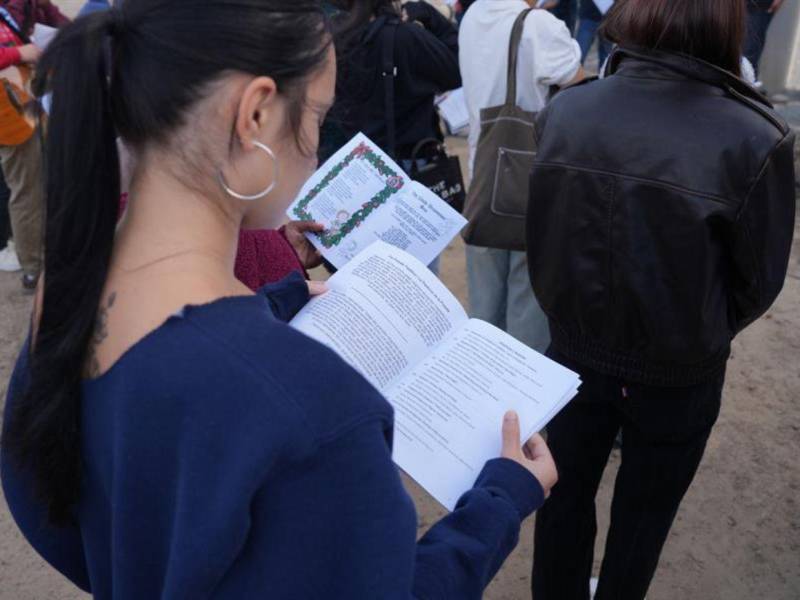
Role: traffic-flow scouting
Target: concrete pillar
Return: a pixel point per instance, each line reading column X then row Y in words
column 780, row 64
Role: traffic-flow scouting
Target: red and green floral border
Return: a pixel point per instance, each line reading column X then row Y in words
column 394, row 183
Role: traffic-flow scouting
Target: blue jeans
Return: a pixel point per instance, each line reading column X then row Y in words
column 587, row 32
column 500, row 293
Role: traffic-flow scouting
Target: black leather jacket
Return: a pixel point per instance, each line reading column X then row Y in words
column 661, row 217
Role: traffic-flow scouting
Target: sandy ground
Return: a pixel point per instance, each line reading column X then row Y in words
column 737, row 536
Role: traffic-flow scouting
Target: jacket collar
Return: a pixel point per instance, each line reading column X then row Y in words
column 681, row 64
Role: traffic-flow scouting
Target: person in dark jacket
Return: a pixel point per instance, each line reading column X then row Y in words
column 657, row 231
column 27, row 13
column 425, row 55
column 567, row 11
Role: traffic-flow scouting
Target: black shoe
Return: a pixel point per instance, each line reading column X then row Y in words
column 29, row 282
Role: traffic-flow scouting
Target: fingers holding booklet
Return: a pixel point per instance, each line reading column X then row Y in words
column 450, row 379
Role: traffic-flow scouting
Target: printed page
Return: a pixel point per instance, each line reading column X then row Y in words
column 361, row 195
column 453, row 108
column 42, row 35
column 419, row 222
column 384, row 312
column 449, row 409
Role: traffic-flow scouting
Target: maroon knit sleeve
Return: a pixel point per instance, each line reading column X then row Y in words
column 50, row 15
column 264, row 257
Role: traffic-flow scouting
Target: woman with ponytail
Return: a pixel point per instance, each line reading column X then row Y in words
column 162, row 437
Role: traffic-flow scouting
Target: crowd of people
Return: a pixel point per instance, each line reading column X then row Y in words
column 167, row 434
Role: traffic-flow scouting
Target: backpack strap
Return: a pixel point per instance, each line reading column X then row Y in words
column 513, row 54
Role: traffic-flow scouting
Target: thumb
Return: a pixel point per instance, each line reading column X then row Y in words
column 317, row 288
column 511, row 446
column 311, row 226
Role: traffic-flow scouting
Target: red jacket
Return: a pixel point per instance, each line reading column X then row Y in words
column 9, row 40
column 37, row 11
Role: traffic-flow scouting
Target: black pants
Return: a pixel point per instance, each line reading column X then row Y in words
column 758, row 21
column 5, row 221
column 664, row 434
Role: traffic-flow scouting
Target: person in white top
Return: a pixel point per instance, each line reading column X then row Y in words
column 499, row 285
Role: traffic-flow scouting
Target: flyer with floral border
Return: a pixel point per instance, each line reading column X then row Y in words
column 361, row 195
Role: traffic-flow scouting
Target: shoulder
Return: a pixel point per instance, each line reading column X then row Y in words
column 275, row 372
column 541, row 24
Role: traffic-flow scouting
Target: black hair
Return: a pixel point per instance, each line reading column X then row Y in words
column 135, row 72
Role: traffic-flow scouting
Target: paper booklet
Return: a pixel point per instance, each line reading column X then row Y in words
column 450, row 378
column 453, row 109
column 361, row 195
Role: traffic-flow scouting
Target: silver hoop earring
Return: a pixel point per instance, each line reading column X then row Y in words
column 260, row 195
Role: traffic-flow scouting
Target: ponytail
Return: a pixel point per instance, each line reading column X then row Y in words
column 82, row 199
column 135, row 71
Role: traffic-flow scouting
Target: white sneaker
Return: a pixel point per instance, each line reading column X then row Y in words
column 8, row 259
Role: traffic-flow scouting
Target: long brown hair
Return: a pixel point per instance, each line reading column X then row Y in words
column 711, row 30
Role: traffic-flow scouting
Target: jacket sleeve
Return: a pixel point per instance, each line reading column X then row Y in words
column 51, row 16
column 460, row 554
column 264, row 256
column 762, row 236
column 8, row 57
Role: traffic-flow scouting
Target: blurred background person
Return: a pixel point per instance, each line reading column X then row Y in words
column 498, row 280
column 93, row 6
column 27, row 13
column 21, row 163
column 590, row 20
column 424, row 48
column 759, row 18
column 567, row 11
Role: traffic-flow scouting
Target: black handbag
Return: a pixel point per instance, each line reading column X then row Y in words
column 439, row 172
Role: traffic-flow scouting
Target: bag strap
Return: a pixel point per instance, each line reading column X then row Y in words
column 513, row 54
column 389, row 72
column 431, row 141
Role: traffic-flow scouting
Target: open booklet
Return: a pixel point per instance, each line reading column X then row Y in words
column 450, row 378
column 361, row 195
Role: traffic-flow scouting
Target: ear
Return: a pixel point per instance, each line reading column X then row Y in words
column 257, row 106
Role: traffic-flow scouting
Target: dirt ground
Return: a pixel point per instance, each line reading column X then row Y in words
column 736, row 537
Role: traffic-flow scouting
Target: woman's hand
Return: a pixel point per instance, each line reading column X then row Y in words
column 294, row 232
column 534, row 455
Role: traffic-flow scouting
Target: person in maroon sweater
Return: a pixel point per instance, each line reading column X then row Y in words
column 27, row 13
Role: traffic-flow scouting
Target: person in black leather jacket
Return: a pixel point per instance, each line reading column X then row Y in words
column 660, row 225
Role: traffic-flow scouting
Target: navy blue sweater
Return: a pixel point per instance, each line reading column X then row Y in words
column 228, row 456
